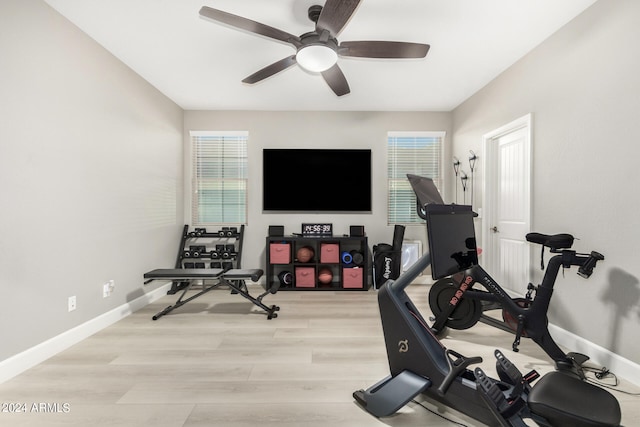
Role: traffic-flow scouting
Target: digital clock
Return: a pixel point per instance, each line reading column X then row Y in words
column 317, row 229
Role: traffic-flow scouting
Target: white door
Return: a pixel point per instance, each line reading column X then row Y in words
column 507, row 204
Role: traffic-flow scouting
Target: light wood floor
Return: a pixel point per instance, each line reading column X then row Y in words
column 218, row 361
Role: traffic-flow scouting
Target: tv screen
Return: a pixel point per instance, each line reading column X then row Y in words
column 316, row 180
column 452, row 239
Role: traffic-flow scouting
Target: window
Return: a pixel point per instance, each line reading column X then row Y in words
column 219, row 178
column 418, row 153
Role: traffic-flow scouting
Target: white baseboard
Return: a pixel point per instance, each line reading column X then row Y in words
column 621, row 367
column 19, row 363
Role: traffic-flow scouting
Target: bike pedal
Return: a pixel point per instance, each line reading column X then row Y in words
column 507, row 371
column 490, row 390
column 506, row 407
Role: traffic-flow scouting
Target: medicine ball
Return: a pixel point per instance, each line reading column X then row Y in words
column 325, row 275
column 305, row 254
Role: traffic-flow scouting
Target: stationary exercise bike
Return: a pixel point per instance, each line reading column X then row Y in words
column 457, row 305
column 420, row 364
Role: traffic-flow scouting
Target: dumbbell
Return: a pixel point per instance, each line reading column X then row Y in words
column 197, row 251
column 229, row 251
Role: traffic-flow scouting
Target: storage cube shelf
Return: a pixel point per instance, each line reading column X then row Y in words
column 318, row 263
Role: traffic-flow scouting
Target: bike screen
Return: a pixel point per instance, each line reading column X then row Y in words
column 452, row 239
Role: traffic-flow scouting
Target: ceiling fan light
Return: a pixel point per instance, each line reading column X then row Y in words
column 316, row 57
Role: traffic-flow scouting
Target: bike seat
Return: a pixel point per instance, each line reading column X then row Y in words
column 565, row 400
column 553, row 241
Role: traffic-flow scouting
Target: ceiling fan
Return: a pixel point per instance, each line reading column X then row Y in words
column 317, row 51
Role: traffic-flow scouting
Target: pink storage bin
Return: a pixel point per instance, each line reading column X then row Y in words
column 329, row 253
column 279, row 253
column 352, row 278
column 305, row 277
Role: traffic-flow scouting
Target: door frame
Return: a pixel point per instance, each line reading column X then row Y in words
column 489, row 154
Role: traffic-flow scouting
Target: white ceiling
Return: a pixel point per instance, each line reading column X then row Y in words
column 199, row 64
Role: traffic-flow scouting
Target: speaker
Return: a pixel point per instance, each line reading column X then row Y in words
column 356, row 230
column 276, row 230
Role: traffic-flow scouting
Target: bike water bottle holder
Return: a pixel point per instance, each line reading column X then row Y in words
column 586, row 269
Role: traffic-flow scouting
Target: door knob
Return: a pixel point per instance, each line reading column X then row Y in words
column 494, row 229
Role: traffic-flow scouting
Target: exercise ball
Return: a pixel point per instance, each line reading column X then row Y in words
column 305, row 254
column 325, row 276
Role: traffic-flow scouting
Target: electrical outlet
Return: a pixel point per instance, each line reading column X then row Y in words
column 72, row 303
column 107, row 288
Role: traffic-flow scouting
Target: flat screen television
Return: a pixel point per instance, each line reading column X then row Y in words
column 316, row 180
column 452, row 239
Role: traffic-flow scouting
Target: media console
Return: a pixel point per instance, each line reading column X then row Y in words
column 318, row 263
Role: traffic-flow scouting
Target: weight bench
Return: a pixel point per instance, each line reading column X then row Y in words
column 234, row 279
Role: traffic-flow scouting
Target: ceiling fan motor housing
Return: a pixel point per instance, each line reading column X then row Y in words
column 316, row 53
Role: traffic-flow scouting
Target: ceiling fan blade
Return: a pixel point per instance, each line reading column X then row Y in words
column 336, row 80
column 383, row 49
column 270, row 70
column 249, row 25
column 335, row 15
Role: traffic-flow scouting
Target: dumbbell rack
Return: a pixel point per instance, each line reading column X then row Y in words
column 200, row 248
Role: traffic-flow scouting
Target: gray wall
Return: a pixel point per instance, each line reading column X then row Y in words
column 316, row 129
column 90, row 177
column 583, row 89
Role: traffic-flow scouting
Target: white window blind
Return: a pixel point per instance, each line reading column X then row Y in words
column 219, row 178
column 418, row 153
